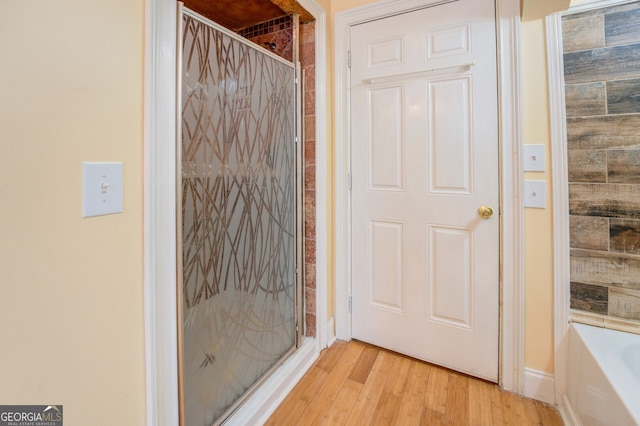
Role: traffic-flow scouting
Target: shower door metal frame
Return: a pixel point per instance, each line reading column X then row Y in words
column 299, row 199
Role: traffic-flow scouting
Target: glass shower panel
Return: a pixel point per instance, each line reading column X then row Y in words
column 238, row 192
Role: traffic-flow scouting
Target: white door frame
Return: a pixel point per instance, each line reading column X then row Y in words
column 511, row 371
column 560, row 206
column 160, row 270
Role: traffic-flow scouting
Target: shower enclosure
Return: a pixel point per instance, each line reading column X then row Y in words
column 238, row 208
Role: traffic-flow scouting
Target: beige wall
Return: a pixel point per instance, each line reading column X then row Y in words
column 538, row 223
column 534, row 9
column 71, row 304
column 71, row 298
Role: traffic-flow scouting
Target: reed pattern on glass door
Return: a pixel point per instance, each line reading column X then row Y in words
column 238, row 215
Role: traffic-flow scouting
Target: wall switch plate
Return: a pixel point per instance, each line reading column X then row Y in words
column 101, row 188
column 533, row 158
column 535, row 194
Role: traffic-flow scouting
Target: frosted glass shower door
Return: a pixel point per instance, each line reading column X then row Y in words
column 238, row 217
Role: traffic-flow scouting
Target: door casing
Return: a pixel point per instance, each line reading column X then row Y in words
column 511, row 370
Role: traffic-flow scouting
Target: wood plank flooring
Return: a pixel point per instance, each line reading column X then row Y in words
column 356, row 383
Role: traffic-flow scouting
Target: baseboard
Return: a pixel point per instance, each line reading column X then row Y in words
column 569, row 416
column 265, row 400
column 331, row 332
column 539, row 385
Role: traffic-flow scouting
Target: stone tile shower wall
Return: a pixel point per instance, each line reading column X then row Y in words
column 277, row 35
column 602, row 92
column 307, row 62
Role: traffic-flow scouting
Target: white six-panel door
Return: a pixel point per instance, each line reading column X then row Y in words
column 424, row 159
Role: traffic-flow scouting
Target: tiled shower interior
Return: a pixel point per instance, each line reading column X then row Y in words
column 602, row 92
column 277, row 36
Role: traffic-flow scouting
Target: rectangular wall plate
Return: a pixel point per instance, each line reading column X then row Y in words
column 535, row 194
column 101, row 188
column 533, row 158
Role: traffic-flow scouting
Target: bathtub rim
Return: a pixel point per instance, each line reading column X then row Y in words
column 608, row 356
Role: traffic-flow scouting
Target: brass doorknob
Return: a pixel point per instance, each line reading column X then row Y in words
column 485, row 212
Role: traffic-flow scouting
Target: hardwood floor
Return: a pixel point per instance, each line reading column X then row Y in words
column 356, row 383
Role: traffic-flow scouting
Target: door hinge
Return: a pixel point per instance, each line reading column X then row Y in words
column 348, row 59
column 350, row 304
column 349, row 181
column 296, row 325
column 295, row 140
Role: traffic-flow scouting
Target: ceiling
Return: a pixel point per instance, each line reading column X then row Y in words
column 239, row 14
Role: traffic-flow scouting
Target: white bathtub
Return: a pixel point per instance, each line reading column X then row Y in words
column 604, row 376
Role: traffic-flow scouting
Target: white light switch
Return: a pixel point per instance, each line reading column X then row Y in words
column 533, row 158
column 535, row 193
column 101, row 188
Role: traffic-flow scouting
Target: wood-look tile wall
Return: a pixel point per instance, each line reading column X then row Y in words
column 602, row 93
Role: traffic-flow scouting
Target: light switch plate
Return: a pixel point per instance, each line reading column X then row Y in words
column 533, row 158
column 535, row 194
column 101, row 188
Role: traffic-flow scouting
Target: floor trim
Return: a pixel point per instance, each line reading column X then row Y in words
column 267, row 398
column 539, row 385
column 331, row 335
column 568, row 414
